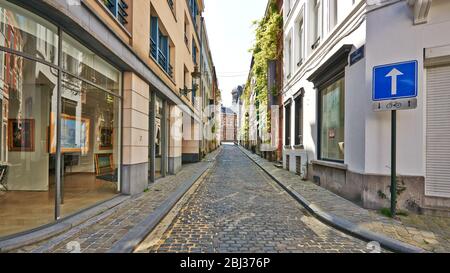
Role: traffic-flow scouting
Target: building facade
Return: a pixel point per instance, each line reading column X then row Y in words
column 97, row 100
column 332, row 136
column 208, row 96
column 261, row 98
column 228, row 125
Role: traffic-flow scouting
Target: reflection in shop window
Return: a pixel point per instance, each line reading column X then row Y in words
column 23, row 31
column 89, row 144
column 158, row 136
column 83, row 63
column 27, row 169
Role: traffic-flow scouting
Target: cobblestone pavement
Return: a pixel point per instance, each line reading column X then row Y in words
column 100, row 233
column 238, row 208
column 431, row 233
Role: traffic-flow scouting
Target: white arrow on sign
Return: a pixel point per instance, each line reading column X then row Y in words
column 394, row 74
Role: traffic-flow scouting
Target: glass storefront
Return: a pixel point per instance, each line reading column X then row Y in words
column 157, row 165
column 89, row 127
column 332, row 117
column 158, row 136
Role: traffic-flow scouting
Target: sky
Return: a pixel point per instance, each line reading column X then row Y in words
column 231, row 35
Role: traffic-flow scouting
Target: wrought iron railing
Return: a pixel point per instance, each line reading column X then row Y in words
column 153, row 49
column 159, row 56
column 162, row 60
column 119, row 9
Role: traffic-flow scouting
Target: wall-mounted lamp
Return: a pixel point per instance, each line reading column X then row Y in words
column 196, row 82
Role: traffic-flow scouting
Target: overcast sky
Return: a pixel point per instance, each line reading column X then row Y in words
column 231, row 35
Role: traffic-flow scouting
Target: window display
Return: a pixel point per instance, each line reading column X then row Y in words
column 89, row 127
column 332, row 117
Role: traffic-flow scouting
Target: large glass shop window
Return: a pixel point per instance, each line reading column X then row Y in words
column 28, row 91
column 90, row 124
column 332, row 121
column 27, row 171
column 89, row 129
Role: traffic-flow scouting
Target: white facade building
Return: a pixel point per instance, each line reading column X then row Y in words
column 331, row 134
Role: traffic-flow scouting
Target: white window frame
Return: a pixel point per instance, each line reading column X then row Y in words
column 332, row 14
column 300, row 37
column 288, row 56
column 287, row 5
column 317, row 19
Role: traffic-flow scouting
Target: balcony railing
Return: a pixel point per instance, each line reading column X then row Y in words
column 153, row 49
column 162, row 60
column 159, row 56
column 119, row 9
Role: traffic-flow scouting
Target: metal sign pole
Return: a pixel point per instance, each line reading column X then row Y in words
column 393, row 163
column 394, row 88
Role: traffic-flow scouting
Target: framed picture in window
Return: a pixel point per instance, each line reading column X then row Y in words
column 106, row 138
column 21, row 135
column 74, row 134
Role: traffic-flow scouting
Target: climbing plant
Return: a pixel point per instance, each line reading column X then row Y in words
column 265, row 49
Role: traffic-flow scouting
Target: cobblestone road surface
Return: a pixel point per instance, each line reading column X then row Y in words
column 238, row 208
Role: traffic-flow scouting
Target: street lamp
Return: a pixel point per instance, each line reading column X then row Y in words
column 195, row 84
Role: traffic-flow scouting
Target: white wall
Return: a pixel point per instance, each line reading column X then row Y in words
column 392, row 37
column 350, row 32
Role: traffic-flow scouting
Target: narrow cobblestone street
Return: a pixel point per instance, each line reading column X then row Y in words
column 238, row 208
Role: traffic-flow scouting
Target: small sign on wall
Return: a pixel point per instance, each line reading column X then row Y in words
column 357, row 55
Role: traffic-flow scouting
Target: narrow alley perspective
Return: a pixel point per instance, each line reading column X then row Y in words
column 239, row 208
column 224, row 135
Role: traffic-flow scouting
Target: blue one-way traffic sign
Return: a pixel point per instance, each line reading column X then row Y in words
column 395, row 81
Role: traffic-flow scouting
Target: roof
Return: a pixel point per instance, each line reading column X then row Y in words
column 226, row 110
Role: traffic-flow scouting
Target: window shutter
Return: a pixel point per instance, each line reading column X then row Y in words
column 437, row 182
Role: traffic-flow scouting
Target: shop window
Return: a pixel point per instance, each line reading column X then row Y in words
column 85, row 64
column 27, row 168
column 332, row 115
column 158, row 137
column 89, row 124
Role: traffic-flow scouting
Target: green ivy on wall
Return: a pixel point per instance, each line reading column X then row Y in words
column 264, row 50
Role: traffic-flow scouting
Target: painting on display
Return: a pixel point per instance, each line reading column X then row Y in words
column 21, row 135
column 74, row 134
column 106, row 138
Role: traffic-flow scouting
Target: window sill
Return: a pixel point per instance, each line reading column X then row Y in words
column 287, row 147
column 330, row 164
column 299, row 147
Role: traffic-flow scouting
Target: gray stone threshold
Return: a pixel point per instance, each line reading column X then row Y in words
column 338, row 222
column 60, row 226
